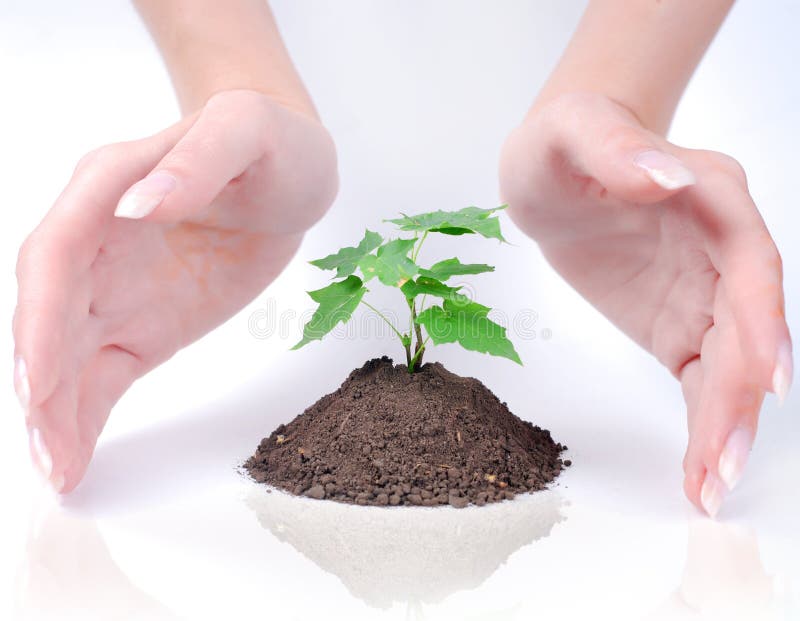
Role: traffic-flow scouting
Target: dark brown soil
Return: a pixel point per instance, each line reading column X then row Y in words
column 387, row 437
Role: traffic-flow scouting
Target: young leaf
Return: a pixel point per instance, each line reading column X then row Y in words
column 453, row 267
column 428, row 286
column 337, row 302
column 345, row 260
column 391, row 263
column 466, row 220
column 465, row 322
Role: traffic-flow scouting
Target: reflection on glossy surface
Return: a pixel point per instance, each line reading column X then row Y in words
column 409, row 554
column 724, row 578
column 68, row 573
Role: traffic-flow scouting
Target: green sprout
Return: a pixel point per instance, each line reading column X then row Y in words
column 395, row 263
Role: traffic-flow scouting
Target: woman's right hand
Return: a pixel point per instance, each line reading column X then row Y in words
column 152, row 244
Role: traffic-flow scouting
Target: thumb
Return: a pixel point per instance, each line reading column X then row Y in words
column 606, row 143
column 216, row 149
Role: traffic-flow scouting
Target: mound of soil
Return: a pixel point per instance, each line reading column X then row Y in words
column 387, row 437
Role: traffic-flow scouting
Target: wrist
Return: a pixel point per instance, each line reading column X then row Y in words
column 195, row 91
column 637, row 53
column 210, row 46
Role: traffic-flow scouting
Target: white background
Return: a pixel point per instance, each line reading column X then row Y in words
column 419, row 96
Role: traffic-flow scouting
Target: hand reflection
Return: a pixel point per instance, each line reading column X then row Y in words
column 724, row 578
column 68, row 573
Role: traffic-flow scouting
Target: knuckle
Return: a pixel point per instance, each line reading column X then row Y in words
column 25, row 254
column 773, row 257
column 724, row 164
column 30, row 258
column 235, row 104
column 102, row 157
column 622, row 139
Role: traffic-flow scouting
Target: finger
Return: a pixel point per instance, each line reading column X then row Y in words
column 53, row 434
column 100, row 385
column 691, row 377
column 215, row 150
column 748, row 261
column 610, row 146
column 53, row 292
column 725, row 417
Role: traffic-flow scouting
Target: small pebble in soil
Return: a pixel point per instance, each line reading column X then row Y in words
column 390, row 438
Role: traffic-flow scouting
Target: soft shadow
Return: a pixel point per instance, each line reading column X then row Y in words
column 68, row 573
column 724, row 578
column 198, row 449
column 412, row 555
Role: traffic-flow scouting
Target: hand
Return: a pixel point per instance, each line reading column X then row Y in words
column 215, row 207
column 667, row 243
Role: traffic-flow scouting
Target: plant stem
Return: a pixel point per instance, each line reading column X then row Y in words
column 417, row 328
column 418, row 356
column 420, row 345
column 415, row 251
column 382, row 316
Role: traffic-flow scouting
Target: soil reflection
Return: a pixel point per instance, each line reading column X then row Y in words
column 409, row 554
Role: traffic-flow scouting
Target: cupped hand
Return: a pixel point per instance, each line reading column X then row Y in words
column 152, row 244
column 668, row 244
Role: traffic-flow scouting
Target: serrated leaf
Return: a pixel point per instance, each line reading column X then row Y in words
column 453, row 267
column 428, row 286
column 345, row 260
column 467, row 323
column 336, row 302
column 390, row 263
column 466, row 220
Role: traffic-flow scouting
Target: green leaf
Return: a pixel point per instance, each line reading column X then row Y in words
column 453, row 267
column 428, row 286
column 337, row 302
column 345, row 260
column 466, row 220
column 465, row 322
column 390, row 263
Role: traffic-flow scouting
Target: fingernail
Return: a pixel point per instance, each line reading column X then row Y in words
column 734, row 456
column 42, row 458
column 57, row 483
column 667, row 171
column 712, row 494
column 144, row 196
column 22, row 385
column 782, row 375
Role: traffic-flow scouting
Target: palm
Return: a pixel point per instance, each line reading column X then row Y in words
column 647, row 270
column 140, row 290
column 692, row 276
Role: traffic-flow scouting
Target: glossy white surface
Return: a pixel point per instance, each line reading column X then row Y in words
column 419, row 96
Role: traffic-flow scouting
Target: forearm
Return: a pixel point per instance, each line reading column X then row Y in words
column 640, row 53
column 210, row 46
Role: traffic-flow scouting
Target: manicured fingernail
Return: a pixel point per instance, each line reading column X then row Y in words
column 57, row 483
column 734, row 456
column 43, row 461
column 144, row 196
column 711, row 494
column 42, row 458
column 782, row 375
column 22, row 384
column 667, row 171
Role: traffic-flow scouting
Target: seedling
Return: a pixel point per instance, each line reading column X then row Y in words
column 395, row 263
